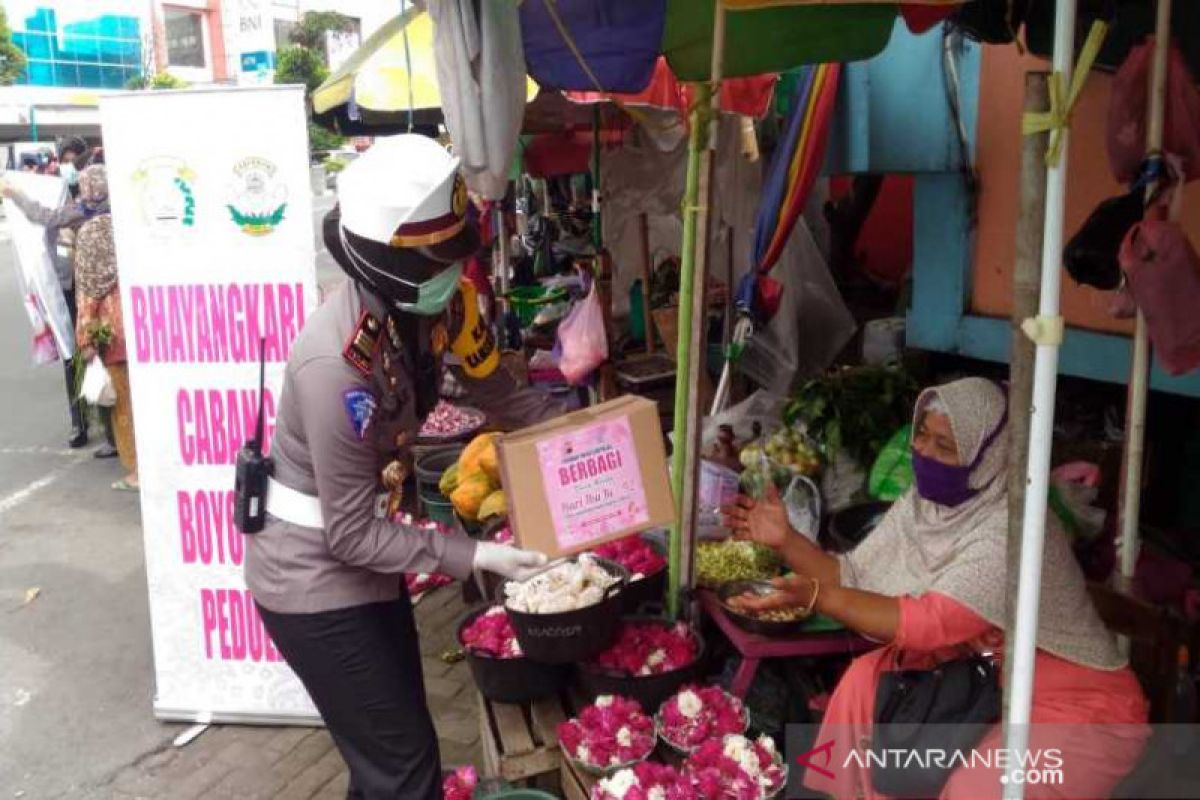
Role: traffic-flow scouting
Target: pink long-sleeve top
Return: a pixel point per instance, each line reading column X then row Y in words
column 934, row 626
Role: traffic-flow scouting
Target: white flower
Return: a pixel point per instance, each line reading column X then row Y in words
column 494, row 611
column 624, row 736
column 582, row 753
column 656, row 793
column 767, row 743
column 604, row 701
column 620, row 784
column 690, row 704
column 740, row 750
column 656, row 658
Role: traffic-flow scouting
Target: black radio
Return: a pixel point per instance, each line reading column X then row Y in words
column 253, row 469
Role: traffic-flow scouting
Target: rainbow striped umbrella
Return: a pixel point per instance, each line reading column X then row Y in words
column 794, row 167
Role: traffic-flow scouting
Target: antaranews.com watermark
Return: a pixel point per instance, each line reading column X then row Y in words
column 1060, row 761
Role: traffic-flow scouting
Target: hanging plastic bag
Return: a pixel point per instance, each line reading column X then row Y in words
column 1126, row 133
column 97, row 386
column 1163, row 272
column 760, row 414
column 891, row 474
column 1091, row 255
column 582, row 339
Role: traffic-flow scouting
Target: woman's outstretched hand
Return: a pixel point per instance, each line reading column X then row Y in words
column 764, row 521
column 791, row 591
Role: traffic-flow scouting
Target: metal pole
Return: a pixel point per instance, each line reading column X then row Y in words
column 597, row 234
column 647, row 273
column 502, row 258
column 685, row 458
column 1030, row 224
column 1139, row 373
column 1029, row 584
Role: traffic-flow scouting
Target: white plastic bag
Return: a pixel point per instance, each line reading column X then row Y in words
column 97, row 386
column 842, row 481
column 718, row 487
column 761, row 407
column 582, row 339
column 803, row 503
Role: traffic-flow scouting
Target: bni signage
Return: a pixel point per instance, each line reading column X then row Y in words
column 255, row 42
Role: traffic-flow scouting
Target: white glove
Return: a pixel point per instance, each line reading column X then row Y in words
column 511, row 562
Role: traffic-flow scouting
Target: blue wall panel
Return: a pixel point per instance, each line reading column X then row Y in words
column 893, row 114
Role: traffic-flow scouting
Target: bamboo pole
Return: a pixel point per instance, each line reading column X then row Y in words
column 1139, row 378
column 697, row 219
column 727, row 329
column 1030, row 222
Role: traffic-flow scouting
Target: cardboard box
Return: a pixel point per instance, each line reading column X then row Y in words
column 587, row 477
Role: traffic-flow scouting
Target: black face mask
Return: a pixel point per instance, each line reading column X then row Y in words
column 384, row 261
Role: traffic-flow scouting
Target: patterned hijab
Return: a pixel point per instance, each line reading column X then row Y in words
column 93, row 190
column 962, row 552
column 96, row 257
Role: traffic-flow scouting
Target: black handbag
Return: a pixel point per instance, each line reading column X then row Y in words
column 921, row 713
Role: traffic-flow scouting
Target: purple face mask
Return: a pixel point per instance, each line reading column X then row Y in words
column 950, row 485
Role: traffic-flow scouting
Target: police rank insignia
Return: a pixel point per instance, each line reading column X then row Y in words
column 360, row 408
column 360, row 349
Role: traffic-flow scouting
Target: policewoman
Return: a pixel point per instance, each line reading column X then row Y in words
column 327, row 570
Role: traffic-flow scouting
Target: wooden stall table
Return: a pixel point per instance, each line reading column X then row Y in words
column 754, row 648
column 520, row 742
column 576, row 784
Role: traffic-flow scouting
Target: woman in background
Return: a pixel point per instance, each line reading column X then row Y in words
column 99, row 329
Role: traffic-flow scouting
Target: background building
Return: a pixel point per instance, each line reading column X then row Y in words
column 96, row 45
column 103, row 44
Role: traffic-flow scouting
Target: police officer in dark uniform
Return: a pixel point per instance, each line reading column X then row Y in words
column 327, row 570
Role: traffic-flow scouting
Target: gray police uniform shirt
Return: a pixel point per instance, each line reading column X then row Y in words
column 322, row 448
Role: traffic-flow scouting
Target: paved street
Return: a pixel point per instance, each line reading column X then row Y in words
column 76, row 675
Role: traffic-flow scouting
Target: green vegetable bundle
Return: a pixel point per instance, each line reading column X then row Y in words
column 857, row 409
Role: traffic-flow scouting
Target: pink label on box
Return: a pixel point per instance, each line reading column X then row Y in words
column 593, row 482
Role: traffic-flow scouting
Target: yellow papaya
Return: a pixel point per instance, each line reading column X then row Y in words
column 470, row 493
column 489, row 462
column 469, row 461
column 494, row 505
column 449, row 480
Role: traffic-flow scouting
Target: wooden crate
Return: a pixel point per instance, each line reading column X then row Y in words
column 576, row 784
column 520, row 743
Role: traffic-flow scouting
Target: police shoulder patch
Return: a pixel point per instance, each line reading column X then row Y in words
column 360, row 407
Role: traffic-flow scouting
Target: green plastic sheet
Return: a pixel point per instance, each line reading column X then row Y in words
column 774, row 39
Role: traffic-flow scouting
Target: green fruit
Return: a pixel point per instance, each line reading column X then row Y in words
column 449, row 480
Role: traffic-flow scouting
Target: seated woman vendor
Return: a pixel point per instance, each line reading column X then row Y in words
column 930, row 580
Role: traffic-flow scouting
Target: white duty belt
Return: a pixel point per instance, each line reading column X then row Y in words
column 295, row 507
column 304, row 510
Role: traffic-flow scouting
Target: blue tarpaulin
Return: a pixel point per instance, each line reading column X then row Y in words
column 620, row 41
